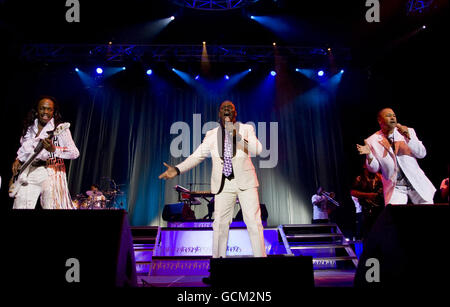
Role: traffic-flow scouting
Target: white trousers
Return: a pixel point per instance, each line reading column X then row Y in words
column 401, row 194
column 27, row 196
column 223, row 214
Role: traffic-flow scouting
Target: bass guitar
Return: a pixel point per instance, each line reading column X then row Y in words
column 19, row 178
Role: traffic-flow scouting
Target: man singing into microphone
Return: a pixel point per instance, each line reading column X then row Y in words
column 233, row 175
column 393, row 150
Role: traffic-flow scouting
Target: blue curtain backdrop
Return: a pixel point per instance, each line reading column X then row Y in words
column 124, row 134
column 121, row 124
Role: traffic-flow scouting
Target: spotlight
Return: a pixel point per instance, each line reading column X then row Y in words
column 172, row 17
column 110, row 43
column 123, row 68
column 204, row 43
column 249, row 69
column 274, row 43
column 297, row 69
column 227, row 77
column 424, row 27
column 76, row 69
column 173, row 69
column 329, row 49
column 342, row 71
column 99, row 70
column 149, row 72
column 252, row 17
column 197, row 77
column 320, row 73
column 273, row 73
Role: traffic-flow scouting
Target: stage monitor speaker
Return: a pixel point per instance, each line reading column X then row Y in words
column 68, row 248
column 264, row 214
column 262, row 272
column 173, row 212
column 406, row 244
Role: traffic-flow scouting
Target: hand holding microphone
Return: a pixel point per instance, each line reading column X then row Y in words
column 403, row 130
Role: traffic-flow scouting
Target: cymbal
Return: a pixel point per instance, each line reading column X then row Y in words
column 93, row 193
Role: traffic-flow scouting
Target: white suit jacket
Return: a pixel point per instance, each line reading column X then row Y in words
column 407, row 151
column 243, row 169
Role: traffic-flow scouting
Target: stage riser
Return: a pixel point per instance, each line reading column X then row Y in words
column 198, row 242
column 178, row 267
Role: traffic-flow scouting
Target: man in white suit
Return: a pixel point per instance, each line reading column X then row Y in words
column 393, row 150
column 233, row 175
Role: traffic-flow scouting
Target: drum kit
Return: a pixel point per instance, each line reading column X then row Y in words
column 99, row 199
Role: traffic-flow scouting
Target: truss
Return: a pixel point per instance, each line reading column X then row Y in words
column 214, row 5
column 117, row 53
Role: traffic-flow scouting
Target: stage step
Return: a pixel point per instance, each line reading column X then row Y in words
column 144, row 234
column 321, row 235
column 318, row 246
column 144, row 240
column 324, row 242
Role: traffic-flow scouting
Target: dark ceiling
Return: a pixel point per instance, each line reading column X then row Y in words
column 319, row 22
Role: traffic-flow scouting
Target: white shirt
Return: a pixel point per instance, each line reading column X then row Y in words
column 65, row 150
column 319, row 207
column 357, row 204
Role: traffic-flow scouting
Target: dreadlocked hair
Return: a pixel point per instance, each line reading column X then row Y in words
column 32, row 114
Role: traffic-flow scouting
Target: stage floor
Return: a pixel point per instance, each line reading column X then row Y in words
column 322, row 278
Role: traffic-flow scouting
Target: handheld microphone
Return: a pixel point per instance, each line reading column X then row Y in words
column 402, row 132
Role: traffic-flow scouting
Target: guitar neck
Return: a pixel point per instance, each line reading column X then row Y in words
column 37, row 151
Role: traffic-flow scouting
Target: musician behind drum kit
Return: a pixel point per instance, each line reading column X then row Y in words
column 96, row 197
column 323, row 204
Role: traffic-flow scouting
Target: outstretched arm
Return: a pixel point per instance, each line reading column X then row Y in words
column 193, row 160
column 170, row 173
column 372, row 163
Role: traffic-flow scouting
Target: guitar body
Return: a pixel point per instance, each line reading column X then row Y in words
column 17, row 182
column 20, row 179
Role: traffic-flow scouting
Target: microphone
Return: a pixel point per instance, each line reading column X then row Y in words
column 403, row 132
column 227, row 121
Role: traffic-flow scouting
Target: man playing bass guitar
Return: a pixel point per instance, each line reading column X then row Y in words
column 45, row 175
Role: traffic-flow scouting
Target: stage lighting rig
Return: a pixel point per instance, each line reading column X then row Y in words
column 214, row 5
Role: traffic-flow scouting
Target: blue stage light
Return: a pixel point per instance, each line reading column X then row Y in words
column 297, row 69
column 197, row 77
column 123, row 68
column 320, row 73
column 252, row 17
column 249, row 69
column 273, row 73
column 172, row 17
column 99, row 70
column 173, row 69
column 227, row 77
column 76, row 69
column 342, row 71
column 149, row 71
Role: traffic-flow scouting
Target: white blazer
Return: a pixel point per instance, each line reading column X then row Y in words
column 407, row 151
column 243, row 169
